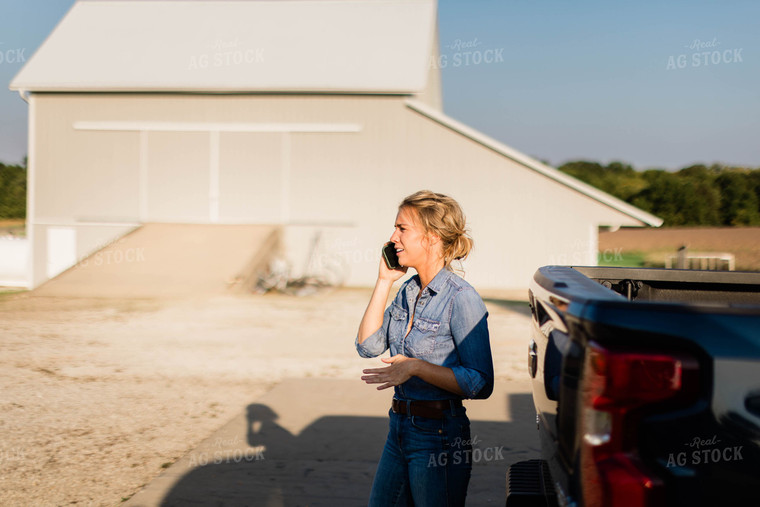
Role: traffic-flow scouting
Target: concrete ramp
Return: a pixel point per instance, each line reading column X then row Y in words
column 170, row 260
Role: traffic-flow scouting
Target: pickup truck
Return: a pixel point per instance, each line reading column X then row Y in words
column 646, row 384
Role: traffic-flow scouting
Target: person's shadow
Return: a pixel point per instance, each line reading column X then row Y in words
column 332, row 461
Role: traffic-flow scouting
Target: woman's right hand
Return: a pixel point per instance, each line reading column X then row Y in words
column 373, row 315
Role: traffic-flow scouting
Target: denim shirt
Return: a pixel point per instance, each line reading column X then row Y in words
column 449, row 329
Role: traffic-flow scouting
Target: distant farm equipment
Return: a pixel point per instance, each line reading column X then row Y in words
column 713, row 261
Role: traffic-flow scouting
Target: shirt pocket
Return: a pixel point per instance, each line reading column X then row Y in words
column 397, row 325
column 422, row 339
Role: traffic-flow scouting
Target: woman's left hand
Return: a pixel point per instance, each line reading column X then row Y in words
column 400, row 370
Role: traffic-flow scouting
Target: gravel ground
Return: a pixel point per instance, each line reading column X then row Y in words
column 99, row 395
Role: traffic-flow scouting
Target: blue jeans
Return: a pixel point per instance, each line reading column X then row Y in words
column 425, row 462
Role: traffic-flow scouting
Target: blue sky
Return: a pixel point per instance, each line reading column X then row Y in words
column 596, row 80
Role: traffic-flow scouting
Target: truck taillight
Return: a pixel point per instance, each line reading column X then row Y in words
column 618, row 386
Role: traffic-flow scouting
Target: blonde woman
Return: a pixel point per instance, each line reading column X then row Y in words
column 437, row 333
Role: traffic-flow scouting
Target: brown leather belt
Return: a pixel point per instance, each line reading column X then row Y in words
column 433, row 409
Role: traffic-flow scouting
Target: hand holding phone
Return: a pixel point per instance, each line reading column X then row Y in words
column 390, row 257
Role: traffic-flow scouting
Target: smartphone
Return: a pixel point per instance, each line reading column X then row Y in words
column 389, row 254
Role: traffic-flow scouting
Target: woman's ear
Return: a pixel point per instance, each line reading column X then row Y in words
column 432, row 239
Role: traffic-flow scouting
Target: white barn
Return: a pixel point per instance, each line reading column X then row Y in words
column 309, row 115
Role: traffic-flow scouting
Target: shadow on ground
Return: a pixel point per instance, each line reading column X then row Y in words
column 332, row 461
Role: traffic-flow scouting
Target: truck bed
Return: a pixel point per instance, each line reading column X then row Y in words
column 699, row 447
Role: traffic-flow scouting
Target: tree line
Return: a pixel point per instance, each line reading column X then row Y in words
column 717, row 195
column 13, row 191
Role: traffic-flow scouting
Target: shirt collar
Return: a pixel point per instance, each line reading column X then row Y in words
column 438, row 281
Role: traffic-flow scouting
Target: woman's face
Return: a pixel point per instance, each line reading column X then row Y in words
column 413, row 246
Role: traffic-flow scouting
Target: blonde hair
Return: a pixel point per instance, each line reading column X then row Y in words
column 441, row 215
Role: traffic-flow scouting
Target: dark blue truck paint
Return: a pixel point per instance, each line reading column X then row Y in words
column 702, row 450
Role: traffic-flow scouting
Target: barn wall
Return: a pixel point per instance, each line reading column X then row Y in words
column 336, row 190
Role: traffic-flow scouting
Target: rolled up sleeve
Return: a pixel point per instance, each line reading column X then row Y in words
column 376, row 343
column 469, row 327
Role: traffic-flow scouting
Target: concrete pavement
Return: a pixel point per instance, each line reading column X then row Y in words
column 316, row 442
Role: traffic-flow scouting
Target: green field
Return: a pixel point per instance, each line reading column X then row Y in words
column 624, row 259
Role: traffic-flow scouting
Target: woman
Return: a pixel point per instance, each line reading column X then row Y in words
column 437, row 334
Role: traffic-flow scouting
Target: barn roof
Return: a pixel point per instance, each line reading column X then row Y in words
column 533, row 164
column 331, row 46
